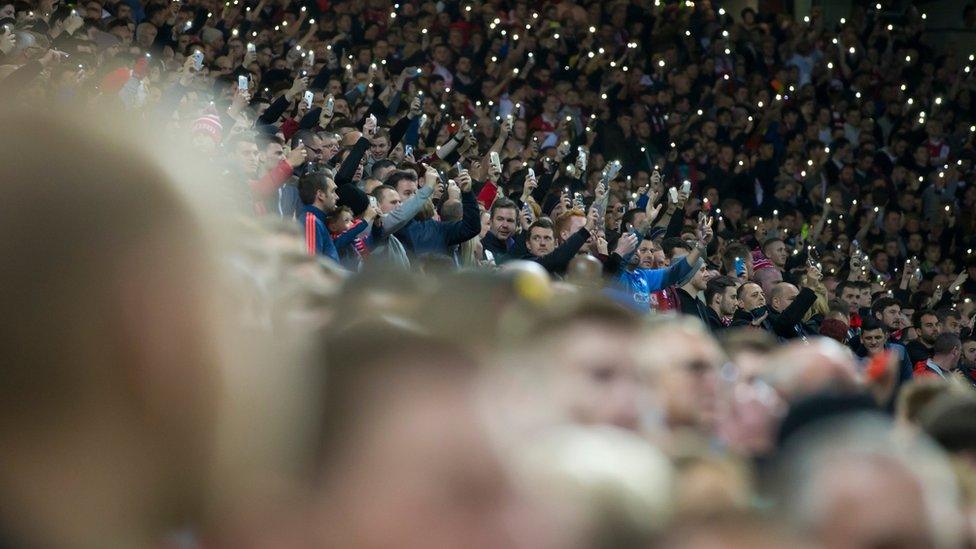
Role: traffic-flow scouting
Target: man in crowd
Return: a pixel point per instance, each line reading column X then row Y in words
column 501, row 235
column 946, row 351
column 318, row 193
column 927, row 327
column 720, row 297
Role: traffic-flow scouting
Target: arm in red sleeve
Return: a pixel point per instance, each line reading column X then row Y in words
column 262, row 188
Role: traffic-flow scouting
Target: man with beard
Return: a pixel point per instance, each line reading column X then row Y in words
column 721, row 301
column 926, row 324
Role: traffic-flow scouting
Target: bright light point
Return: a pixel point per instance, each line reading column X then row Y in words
column 660, row 63
column 857, row 95
column 806, row 18
column 830, row 65
column 728, row 51
column 592, row 29
column 938, row 100
column 726, row 77
column 851, row 50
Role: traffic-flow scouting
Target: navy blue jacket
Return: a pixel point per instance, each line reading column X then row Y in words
column 438, row 237
column 317, row 238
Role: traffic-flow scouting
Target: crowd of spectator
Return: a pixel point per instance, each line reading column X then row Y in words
column 554, row 274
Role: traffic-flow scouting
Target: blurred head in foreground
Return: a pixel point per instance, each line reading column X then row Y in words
column 404, row 455
column 108, row 361
column 847, row 483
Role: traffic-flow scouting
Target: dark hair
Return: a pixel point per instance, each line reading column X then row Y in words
column 309, row 185
column 917, row 317
column 883, row 303
column 946, row 312
column 629, row 215
column 301, row 136
column 717, row 286
column 950, row 419
column 394, row 178
column 843, row 285
column 59, row 15
column 503, row 204
column 670, row 243
column 380, row 189
column 868, row 324
column 541, row 223
column 734, row 250
column 945, row 343
column 380, row 164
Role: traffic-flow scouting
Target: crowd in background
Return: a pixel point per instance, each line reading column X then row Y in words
column 711, row 274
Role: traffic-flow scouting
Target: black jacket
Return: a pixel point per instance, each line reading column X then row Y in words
column 787, row 324
column 557, row 261
column 692, row 306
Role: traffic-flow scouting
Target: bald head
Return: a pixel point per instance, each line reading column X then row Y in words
column 782, row 295
column 585, row 270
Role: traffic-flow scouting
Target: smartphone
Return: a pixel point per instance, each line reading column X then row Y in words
column 582, row 155
column 309, row 96
column 372, row 202
column 686, row 187
column 458, row 167
column 242, row 83
column 251, row 48
column 740, row 266
column 330, row 102
column 311, row 58
column 198, row 60
column 531, row 174
column 673, row 193
column 495, row 160
column 408, row 150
